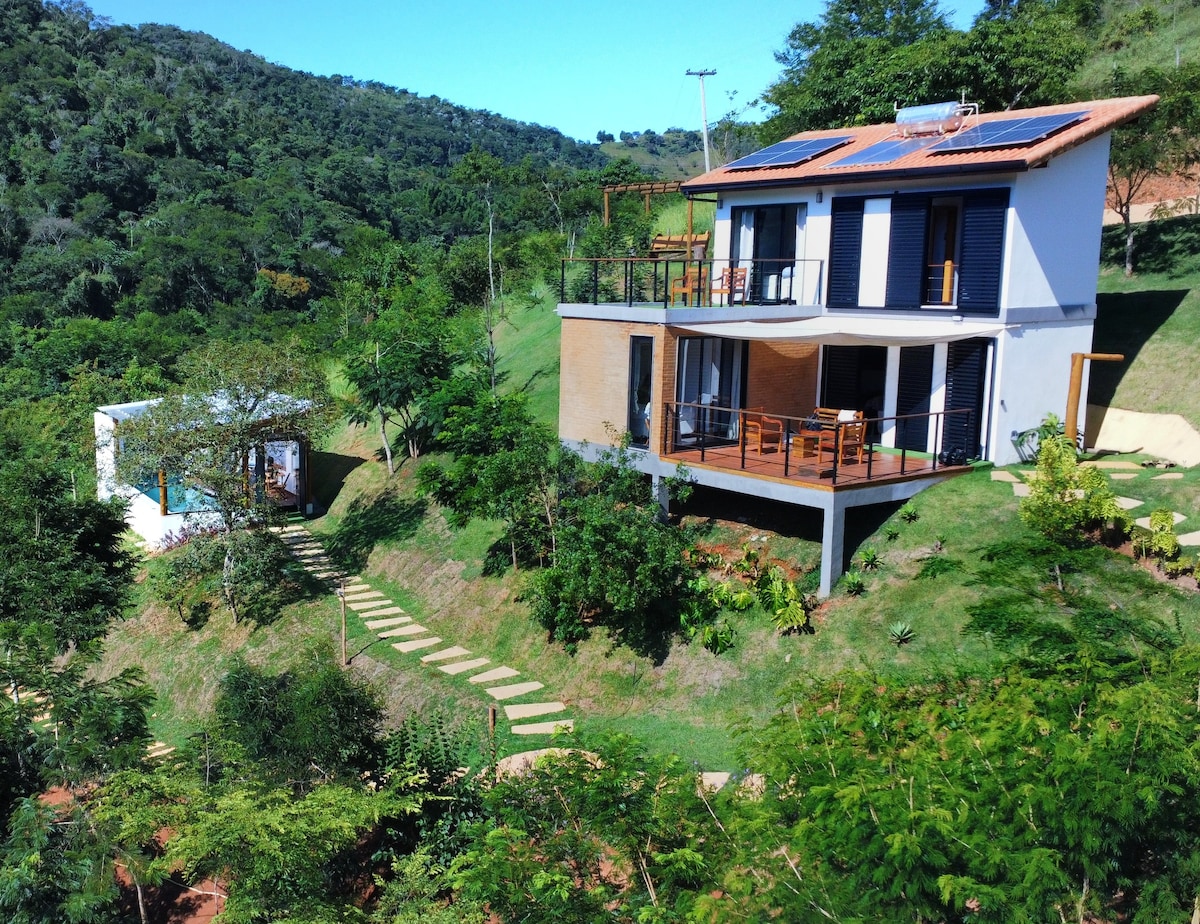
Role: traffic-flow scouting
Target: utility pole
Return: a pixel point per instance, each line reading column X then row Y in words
column 703, row 113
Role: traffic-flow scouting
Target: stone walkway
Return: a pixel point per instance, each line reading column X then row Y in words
column 389, row 622
column 1117, row 470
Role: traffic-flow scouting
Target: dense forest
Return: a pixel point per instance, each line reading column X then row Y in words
column 181, row 218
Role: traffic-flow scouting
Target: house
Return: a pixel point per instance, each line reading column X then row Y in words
column 162, row 507
column 927, row 281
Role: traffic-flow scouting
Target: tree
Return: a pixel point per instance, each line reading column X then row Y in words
column 1159, row 142
column 504, row 468
column 584, row 836
column 1029, row 798
column 1066, row 500
column 855, row 62
column 616, row 562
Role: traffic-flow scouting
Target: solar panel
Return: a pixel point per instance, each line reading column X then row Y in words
column 882, row 152
column 788, row 153
column 1006, row 133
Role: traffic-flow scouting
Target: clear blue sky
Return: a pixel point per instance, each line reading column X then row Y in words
column 578, row 67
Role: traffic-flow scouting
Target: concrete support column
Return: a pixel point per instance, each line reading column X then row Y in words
column 662, row 495
column 833, row 544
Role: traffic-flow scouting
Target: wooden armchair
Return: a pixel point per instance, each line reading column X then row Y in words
column 694, row 280
column 761, row 431
column 733, row 284
column 847, row 435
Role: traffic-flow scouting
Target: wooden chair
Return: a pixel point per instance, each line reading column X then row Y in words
column 761, row 431
column 847, row 434
column 733, row 284
column 694, row 280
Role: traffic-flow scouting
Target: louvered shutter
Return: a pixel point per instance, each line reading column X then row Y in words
column 906, row 251
column 840, row 377
column 912, row 397
column 980, row 256
column 965, row 369
column 845, row 252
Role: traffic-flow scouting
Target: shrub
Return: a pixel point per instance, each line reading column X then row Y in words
column 869, row 559
column 854, row 583
column 909, row 513
column 1067, row 500
column 891, row 533
column 901, row 633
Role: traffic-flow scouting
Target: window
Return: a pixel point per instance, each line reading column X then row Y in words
column 943, row 250
column 765, row 240
column 641, row 365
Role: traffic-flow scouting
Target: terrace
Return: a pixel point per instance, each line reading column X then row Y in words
column 667, row 283
column 827, row 455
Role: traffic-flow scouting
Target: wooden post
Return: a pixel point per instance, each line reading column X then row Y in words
column 492, row 720
column 948, row 282
column 646, row 201
column 341, row 592
column 1071, row 425
column 162, row 492
column 606, row 212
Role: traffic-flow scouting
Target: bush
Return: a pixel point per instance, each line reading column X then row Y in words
column 1066, row 500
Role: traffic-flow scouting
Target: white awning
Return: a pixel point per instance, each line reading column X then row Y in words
column 842, row 330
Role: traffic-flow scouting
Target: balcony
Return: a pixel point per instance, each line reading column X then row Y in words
column 838, row 455
column 679, row 283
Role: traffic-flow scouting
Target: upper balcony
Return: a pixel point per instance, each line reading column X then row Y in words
column 679, row 283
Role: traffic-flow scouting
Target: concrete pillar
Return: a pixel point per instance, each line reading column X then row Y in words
column 662, row 495
column 833, row 545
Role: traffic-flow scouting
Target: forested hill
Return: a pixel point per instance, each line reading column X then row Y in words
column 152, row 173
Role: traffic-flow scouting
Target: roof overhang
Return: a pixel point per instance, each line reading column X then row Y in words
column 839, row 330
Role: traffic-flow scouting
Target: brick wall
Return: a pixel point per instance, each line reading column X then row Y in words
column 782, row 378
column 594, row 378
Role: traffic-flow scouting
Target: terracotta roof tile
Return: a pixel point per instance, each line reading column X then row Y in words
column 1102, row 116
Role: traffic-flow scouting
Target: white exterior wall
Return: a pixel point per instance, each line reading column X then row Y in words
column 1032, row 373
column 1052, row 252
column 876, row 238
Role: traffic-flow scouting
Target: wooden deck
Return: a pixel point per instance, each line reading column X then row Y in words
column 878, row 467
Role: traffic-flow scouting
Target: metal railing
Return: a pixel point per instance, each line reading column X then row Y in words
column 706, row 427
column 690, row 283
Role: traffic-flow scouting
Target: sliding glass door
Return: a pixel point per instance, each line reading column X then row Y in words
column 710, row 381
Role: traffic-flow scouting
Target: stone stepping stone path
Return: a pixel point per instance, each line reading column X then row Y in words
column 496, row 673
column 1176, row 518
column 388, row 621
column 445, row 654
column 1128, row 503
column 158, row 750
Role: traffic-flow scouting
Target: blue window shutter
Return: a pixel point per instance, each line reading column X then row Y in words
column 845, row 252
column 912, row 397
column 965, row 368
column 906, row 251
column 980, row 263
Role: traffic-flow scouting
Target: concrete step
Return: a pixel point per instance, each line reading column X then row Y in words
column 462, row 666
column 387, row 623
column 417, row 644
column 364, row 595
column 398, row 630
column 513, row 689
column 445, row 654
column 362, row 605
column 544, row 728
column 496, row 673
column 530, row 710
column 375, row 614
